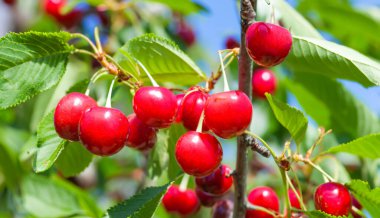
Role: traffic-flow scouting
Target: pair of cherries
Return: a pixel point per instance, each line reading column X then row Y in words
column 103, row 131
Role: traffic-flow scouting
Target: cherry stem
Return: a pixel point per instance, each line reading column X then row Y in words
column 285, row 186
column 97, row 40
column 154, row 83
column 255, row 207
column 109, row 96
column 184, row 182
column 298, row 195
column 79, row 35
column 320, row 170
column 93, row 79
column 359, row 212
column 226, row 86
column 200, row 122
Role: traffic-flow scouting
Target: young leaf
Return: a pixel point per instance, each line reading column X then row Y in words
column 368, row 198
column 30, row 63
column 162, row 58
column 366, row 147
column 310, row 55
column 290, row 118
column 73, row 159
column 49, row 144
column 141, row 205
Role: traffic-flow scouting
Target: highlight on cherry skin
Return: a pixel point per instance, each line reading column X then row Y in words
column 268, row 44
column 141, row 136
column 228, row 114
column 103, row 131
column 68, row 112
column 265, row 197
column 263, row 81
column 198, row 154
column 155, row 106
column 218, row 182
column 333, row 198
column 182, row 202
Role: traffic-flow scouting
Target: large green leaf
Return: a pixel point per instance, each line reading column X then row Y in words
column 49, row 144
column 158, row 160
column 141, row 205
column 162, row 58
column 290, row 118
column 73, row 159
column 346, row 114
column 366, row 147
column 186, row 7
column 321, row 214
column 175, row 132
column 368, row 198
column 30, row 63
column 310, row 55
column 53, row 197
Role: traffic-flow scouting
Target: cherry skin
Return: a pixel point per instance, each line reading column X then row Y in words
column 268, row 44
column 232, row 43
column 207, row 199
column 198, row 154
column 140, row 136
column 218, row 182
column 228, row 114
column 183, row 202
column 333, row 198
column 223, row 209
column 264, row 197
column 178, row 117
column 191, row 108
column 55, row 7
column 186, row 33
column 294, row 202
column 263, row 80
column 103, row 131
column 9, row 2
column 356, row 204
column 68, row 112
column 155, row 106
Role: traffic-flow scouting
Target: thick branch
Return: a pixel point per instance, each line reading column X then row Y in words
column 247, row 14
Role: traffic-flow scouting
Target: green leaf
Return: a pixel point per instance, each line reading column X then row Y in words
column 175, row 132
column 309, row 55
column 347, row 115
column 53, row 197
column 49, row 144
column 321, row 214
column 158, row 160
column 366, row 147
column 80, row 86
column 73, row 159
column 186, row 7
column 162, row 58
column 290, row 118
column 30, row 63
column 368, row 198
column 141, row 205
column 294, row 21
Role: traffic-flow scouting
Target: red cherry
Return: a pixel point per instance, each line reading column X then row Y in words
column 268, row 44
column 68, row 113
column 264, row 197
column 186, row 33
column 178, row 117
column 155, row 106
column 223, row 209
column 198, row 154
column 294, row 202
column 333, row 198
column 192, row 107
column 207, row 199
column 103, row 131
column 9, row 2
column 228, row 114
column 140, row 136
column 54, row 8
column 218, row 182
column 356, row 204
column 169, row 200
column 231, row 43
column 182, row 202
column 263, row 80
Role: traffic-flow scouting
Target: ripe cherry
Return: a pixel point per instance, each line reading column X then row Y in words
column 294, row 202
column 358, row 206
column 184, row 202
column 186, row 33
column 268, row 44
column 263, row 80
column 9, row 2
column 198, row 154
column 264, row 197
column 68, row 113
column 140, row 136
column 232, row 43
column 333, row 198
column 155, row 106
column 191, row 108
column 228, row 114
column 103, row 131
column 55, row 9
column 178, row 117
column 218, row 182
column 223, row 209
column 207, row 199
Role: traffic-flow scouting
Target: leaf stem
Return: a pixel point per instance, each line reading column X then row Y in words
column 79, row 35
